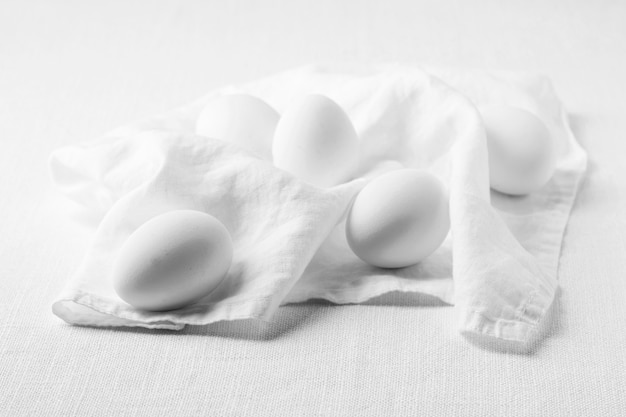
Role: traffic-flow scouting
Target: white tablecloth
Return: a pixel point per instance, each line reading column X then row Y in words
column 72, row 70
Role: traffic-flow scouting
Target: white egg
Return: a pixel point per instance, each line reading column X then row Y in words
column 316, row 141
column 241, row 119
column 398, row 219
column 172, row 260
column 521, row 150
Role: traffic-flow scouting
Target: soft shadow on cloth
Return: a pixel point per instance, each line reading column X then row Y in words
column 289, row 319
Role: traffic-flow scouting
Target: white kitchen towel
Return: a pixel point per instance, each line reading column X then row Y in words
column 498, row 265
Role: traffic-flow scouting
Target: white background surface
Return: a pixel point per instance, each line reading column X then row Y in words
column 70, row 71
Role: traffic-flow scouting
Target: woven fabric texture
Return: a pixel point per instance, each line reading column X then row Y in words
column 71, row 70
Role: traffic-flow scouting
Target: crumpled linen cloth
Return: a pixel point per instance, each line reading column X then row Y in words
column 498, row 265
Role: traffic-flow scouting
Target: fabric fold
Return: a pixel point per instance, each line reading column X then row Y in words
column 498, row 265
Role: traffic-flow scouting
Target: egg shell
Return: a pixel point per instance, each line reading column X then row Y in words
column 316, row 141
column 398, row 219
column 241, row 119
column 172, row 260
column 521, row 150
